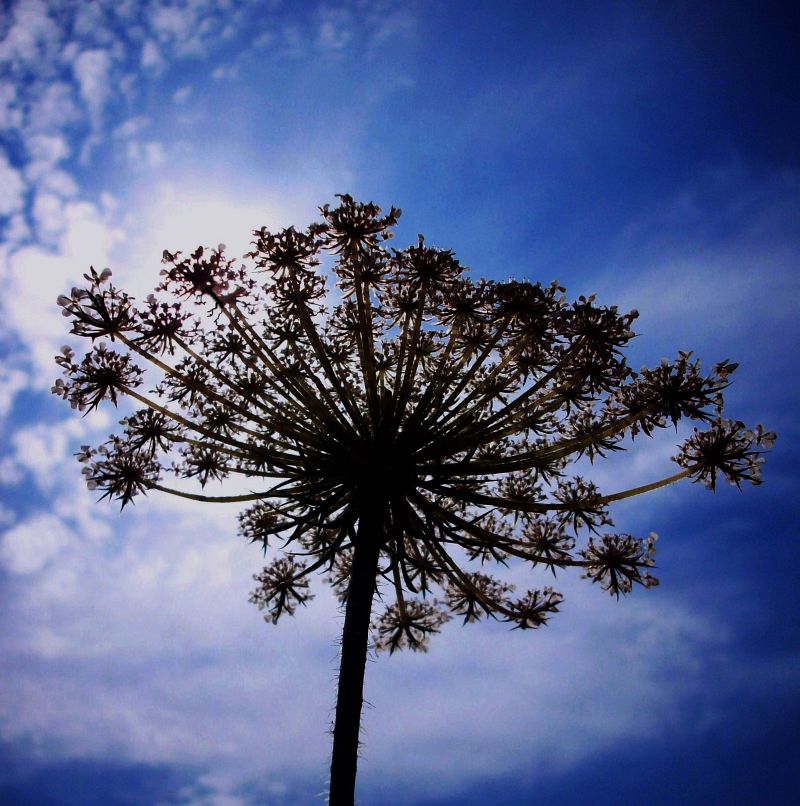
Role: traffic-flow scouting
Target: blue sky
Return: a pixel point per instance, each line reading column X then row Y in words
column 645, row 152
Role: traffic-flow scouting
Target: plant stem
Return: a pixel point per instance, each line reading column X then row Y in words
column 355, row 639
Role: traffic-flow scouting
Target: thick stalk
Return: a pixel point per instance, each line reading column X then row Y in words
column 355, row 639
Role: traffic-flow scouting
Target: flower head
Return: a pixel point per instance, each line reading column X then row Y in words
column 444, row 413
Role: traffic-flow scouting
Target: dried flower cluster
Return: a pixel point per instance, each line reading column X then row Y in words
column 448, row 409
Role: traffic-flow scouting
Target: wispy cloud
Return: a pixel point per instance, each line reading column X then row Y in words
column 202, row 680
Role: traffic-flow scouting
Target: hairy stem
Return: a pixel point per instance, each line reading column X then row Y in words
column 355, row 639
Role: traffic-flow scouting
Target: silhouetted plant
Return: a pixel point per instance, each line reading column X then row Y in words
column 413, row 431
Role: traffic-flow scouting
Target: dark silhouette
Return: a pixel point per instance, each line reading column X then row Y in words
column 409, row 430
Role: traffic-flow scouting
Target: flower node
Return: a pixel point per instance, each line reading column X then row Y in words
column 281, row 589
column 616, row 562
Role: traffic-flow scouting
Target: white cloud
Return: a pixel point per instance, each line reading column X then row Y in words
column 172, row 23
column 10, row 114
column 91, row 68
column 46, row 112
column 58, row 182
column 172, row 590
column 336, row 29
column 177, row 215
column 54, row 107
column 226, row 72
column 29, row 546
column 32, row 37
column 47, row 149
column 17, row 229
column 10, row 472
column 12, row 187
column 48, row 217
column 12, row 380
column 181, row 95
column 601, row 672
column 92, row 21
column 181, row 215
column 146, row 155
column 151, row 58
column 199, row 679
column 42, row 449
column 212, row 790
column 132, row 127
column 34, row 276
column 189, row 30
column 108, row 203
column 74, row 504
